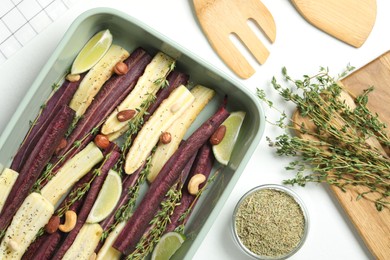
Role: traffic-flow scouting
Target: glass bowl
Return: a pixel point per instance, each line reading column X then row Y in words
column 271, row 222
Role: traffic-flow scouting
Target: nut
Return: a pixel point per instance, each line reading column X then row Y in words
column 125, row 115
column 218, row 135
column 121, row 68
column 102, row 141
column 61, row 145
column 165, row 138
column 53, row 224
column 70, row 221
column 13, row 245
column 73, row 77
column 175, row 107
column 195, row 181
column 93, row 256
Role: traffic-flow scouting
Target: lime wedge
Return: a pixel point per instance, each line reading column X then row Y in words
column 167, row 245
column 224, row 149
column 92, row 52
column 107, row 199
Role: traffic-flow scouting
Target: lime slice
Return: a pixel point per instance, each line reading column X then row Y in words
column 107, row 199
column 224, row 149
column 92, row 52
column 167, row 246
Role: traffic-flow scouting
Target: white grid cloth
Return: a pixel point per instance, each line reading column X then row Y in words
column 22, row 20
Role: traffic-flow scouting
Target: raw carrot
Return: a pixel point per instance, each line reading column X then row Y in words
column 162, row 218
column 203, row 165
column 36, row 162
column 108, row 98
column 88, row 203
column 174, row 79
column 60, row 97
column 169, row 174
column 73, row 202
column 43, row 247
column 109, row 223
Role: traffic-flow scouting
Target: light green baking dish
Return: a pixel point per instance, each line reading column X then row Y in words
column 131, row 33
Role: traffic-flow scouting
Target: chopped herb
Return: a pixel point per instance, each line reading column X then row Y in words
column 270, row 223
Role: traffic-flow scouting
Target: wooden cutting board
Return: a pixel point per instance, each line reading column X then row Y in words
column 373, row 226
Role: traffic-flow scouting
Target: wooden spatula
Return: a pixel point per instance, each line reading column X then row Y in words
column 350, row 21
column 222, row 18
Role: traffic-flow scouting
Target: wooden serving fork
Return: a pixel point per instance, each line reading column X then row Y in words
column 221, row 18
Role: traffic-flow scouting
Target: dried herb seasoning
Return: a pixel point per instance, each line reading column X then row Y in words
column 269, row 222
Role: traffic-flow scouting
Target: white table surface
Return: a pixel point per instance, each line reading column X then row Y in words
column 299, row 46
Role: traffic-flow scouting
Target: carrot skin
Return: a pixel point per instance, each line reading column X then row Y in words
column 167, row 177
column 38, row 159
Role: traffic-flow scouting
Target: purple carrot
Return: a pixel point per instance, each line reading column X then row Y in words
column 187, row 168
column 107, row 99
column 128, row 182
column 60, row 97
column 88, row 203
column 183, row 176
column 50, row 241
column 175, row 79
column 43, row 247
column 36, row 162
column 203, row 164
column 167, row 177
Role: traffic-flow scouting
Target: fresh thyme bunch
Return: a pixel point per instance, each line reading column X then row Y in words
column 336, row 143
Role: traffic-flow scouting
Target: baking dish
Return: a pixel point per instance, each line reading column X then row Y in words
column 131, row 33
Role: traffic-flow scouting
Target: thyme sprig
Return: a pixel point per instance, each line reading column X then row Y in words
column 339, row 144
column 163, row 82
column 134, row 125
column 158, row 223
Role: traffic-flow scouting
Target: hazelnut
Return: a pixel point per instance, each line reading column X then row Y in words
column 93, row 256
column 218, row 135
column 175, row 107
column 121, row 68
column 13, row 245
column 73, row 77
column 53, row 224
column 165, row 138
column 61, row 145
column 102, row 141
column 125, row 115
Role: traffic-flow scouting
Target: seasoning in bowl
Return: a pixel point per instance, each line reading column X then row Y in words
column 270, row 222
